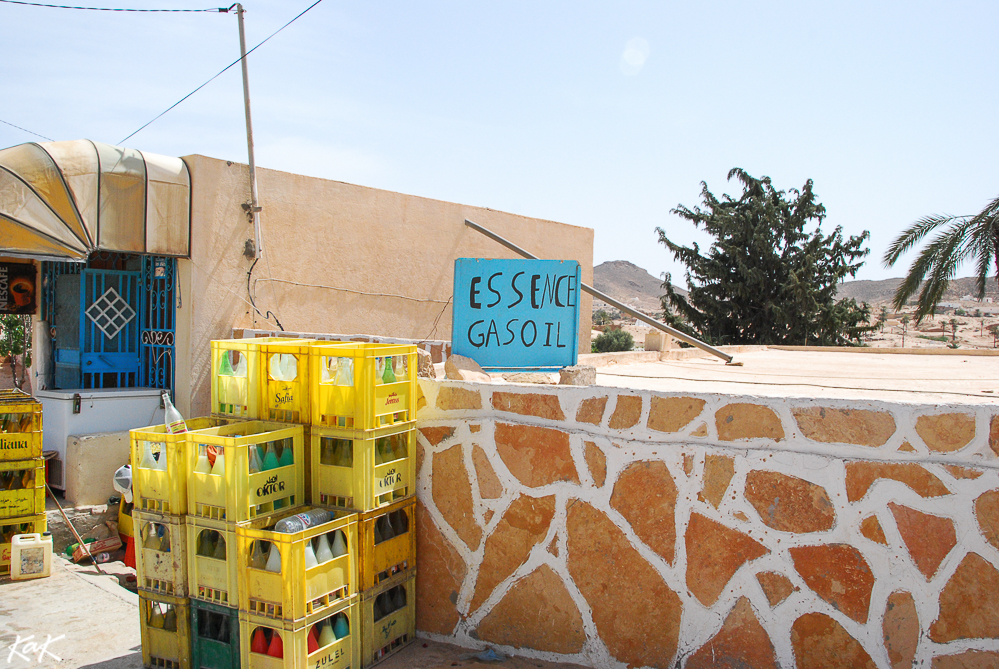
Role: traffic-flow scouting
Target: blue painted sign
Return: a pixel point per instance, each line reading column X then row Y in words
column 516, row 315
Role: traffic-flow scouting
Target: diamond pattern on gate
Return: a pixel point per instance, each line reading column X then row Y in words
column 110, row 313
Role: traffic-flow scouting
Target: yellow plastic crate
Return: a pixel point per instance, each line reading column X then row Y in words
column 296, row 591
column 22, row 487
column 159, row 481
column 354, row 387
column 237, row 376
column 342, row 653
column 240, row 495
column 285, row 380
column 387, row 539
column 165, row 629
column 388, row 618
column 10, row 526
column 20, row 426
column 212, row 567
column 363, row 470
column 160, row 553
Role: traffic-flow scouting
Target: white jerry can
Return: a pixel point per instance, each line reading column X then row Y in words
column 30, row 556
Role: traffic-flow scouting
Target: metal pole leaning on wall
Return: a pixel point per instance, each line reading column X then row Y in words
column 608, row 299
column 254, row 208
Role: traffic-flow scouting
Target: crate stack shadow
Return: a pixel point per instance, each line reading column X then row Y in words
column 296, row 425
column 22, row 470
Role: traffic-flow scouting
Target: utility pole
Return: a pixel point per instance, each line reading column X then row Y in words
column 254, row 208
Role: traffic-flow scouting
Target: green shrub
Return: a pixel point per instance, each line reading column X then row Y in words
column 613, row 340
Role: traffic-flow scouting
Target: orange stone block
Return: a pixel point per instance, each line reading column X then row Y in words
column 636, row 614
column 845, row 426
column 591, row 410
column 529, row 404
column 741, row 642
column 490, row 486
column 906, row 447
column 645, row 495
column 735, row 422
column 436, row 435
column 969, row 607
column 458, row 399
column 536, row 613
column 452, row 492
column 928, row 538
column 700, row 431
column 524, row 525
column 963, row 472
column 839, row 574
column 900, row 630
column 944, row 433
column 672, row 414
column 994, row 434
column 969, row 659
column 688, row 464
column 537, row 456
column 789, row 504
column 627, row 412
column 987, row 512
column 714, row 553
column 777, row 587
column 442, row 572
column 597, row 462
column 860, row 476
column 870, row 527
column 819, row 642
column 718, row 472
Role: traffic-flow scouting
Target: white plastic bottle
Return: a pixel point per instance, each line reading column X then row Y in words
column 30, row 556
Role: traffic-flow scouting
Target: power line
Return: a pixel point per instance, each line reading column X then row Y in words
column 227, row 67
column 24, row 129
column 109, row 9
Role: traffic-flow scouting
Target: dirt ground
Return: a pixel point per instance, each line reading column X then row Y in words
column 426, row 654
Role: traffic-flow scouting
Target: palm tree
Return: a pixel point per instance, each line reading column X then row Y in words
column 966, row 238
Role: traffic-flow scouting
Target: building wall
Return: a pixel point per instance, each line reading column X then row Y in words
column 337, row 258
column 604, row 526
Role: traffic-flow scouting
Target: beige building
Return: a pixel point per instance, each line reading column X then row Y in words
column 141, row 260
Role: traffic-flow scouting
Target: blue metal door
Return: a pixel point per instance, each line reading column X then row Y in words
column 159, row 278
column 111, row 301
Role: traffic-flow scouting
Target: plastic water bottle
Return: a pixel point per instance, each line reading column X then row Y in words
column 174, row 421
column 302, row 521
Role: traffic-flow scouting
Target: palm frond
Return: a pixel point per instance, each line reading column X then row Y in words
column 911, row 236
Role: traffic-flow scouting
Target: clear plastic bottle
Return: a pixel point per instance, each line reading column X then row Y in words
column 254, row 464
column 258, row 560
column 147, row 461
column 302, row 521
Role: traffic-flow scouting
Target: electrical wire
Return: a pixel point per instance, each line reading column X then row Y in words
column 434, row 330
column 108, row 9
column 349, row 290
column 253, row 303
column 227, row 67
column 19, row 127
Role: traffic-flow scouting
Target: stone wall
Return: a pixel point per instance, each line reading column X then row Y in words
column 612, row 527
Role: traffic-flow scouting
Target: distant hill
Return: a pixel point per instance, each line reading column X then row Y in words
column 879, row 292
column 637, row 288
column 630, row 284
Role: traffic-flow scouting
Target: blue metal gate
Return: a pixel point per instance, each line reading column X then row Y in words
column 159, row 277
column 111, row 301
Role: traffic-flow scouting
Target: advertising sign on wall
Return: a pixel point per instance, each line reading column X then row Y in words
column 516, row 315
column 17, row 288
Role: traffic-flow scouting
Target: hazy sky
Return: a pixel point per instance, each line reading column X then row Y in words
column 604, row 115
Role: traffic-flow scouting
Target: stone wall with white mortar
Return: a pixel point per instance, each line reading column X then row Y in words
column 613, row 528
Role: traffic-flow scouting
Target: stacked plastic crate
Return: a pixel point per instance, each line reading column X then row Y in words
column 363, row 458
column 22, row 470
column 220, row 585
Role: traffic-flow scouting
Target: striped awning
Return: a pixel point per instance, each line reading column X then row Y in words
column 63, row 200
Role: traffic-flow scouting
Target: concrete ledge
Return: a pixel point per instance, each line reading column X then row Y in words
column 91, row 461
column 889, row 351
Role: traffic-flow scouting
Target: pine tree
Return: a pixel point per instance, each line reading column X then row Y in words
column 765, row 279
